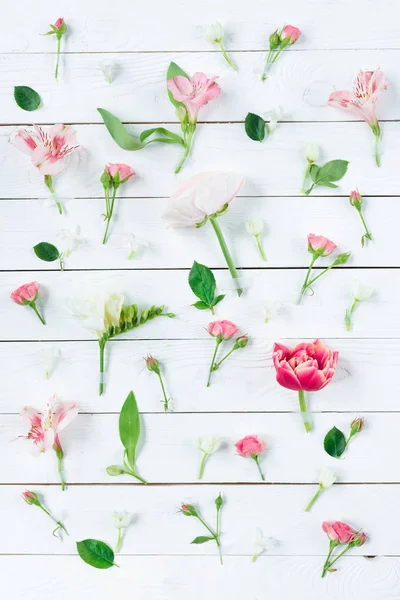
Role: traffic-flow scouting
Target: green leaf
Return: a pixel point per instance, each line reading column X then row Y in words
column 118, row 132
column 26, row 97
column 129, row 427
column 173, row 71
column 201, row 305
column 46, row 251
column 202, row 539
column 333, row 170
column 314, row 171
column 218, row 299
column 202, row 283
column 96, row 553
column 255, row 127
column 327, row 184
column 335, row 442
column 172, row 138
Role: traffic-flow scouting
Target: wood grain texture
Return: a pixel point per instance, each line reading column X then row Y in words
column 25, row 223
column 169, row 452
column 225, row 147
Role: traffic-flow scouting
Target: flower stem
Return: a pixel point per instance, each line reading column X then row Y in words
column 58, row 57
column 60, row 455
column 109, row 211
column 59, row 523
column 306, row 174
column 331, row 548
column 257, row 461
column 226, row 57
column 307, row 277
column 367, row 235
column 102, row 345
column 188, row 145
column 303, row 409
column 328, row 565
column 218, row 364
column 163, row 391
column 226, row 253
column 308, row 192
column 119, row 541
column 267, row 66
column 34, row 307
column 377, row 157
column 202, row 465
column 48, row 180
column 313, row 499
column 349, row 314
column 218, row 342
column 260, row 248
column 320, row 274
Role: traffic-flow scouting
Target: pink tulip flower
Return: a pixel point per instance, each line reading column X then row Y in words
column 320, row 245
column 113, row 176
column 194, row 93
column 307, row 367
column 223, row 329
column 340, row 533
column 26, row 295
column 43, row 429
column 362, row 100
column 290, row 32
column 48, row 149
column 251, row 447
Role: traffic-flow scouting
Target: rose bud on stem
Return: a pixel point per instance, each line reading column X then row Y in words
column 251, row 447
column 223, row 331
column 207, row 445
column 114, row 175
column 58, row 29
column 340, row 534
column 33, row 499
column 278, row 42
column 26, row 295
column 153, row 366
column 356, row 200
column 360, row 293
column 189, row 511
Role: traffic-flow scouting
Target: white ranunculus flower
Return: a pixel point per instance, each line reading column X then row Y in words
column 361, row 292
column 209, row 444
column 312, row 152
column 107, row 67
column 50, row 358
column 215, row 32
column 326, row 478
column 72, row 238
column 121, row 519
column 254, row 226
column 262, row 544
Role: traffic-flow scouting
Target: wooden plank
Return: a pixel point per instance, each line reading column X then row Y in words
column 158, row 527
column 25, row 223
column 301, row 82
column 180, row 577
column 367, row 370
column 224, row 147
column 156, row 26
column 169, row 452
column 319, row 315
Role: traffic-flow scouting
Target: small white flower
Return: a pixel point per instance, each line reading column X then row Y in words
column 209, row 444
column 273, row 116
column 121, row 519
column 214, row 33
column 132, row 243
column 262, row 544
column 361, row 292
column 72, row 238
column 326, row 478
column 50, row 358
column 272, row 310
column 312, row 152
column 107, row 67
column 254, row 226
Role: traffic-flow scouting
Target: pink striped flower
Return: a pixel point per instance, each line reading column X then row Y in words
column 194, row 92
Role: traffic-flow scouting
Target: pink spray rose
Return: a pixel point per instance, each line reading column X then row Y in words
column 307, row 367
column 59, row 23
column 278, row 41
column 357, row 424
column 356, row 200
column 119, row 171
column 251, row 447
column 113, row 176
column 194, row 92
column 320, row 245
column 43, row 429
column 58, row 29
column 290, row 32
column 340, row 533
column 362, row 100
column 222, row 329
column 26, row 295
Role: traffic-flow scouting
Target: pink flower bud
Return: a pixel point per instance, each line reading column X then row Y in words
column 355, row 198
column 151, row 363
column 188, row 510
column 290, row 32
column 357, row 425
column 25, row 294
column 320, row 245
column 119, row 172
column 242, row 341
column 250, row 446
column 58, row 24
column 30, row 497
column 222, row 329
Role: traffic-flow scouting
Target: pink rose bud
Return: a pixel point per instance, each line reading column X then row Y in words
column 151, row 363
column 320, row 245
column 222, row 329
column 119, row 172
column 30, row 497
column 25, row 294
column 355, row 198
column 290, row 32
column 188, row 510
column 250, row 446
column 357, row 425
column 58, row 24
column 339, row 531
column 242, row 341
column 359, row 538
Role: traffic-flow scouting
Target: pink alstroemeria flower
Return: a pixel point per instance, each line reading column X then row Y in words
column 43, row 429
column 362, row 100
column 48, row 149
column 194, row 93
column 308, row 367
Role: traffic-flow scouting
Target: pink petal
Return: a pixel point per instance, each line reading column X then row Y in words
column 310, row 378
column 180, row 87
column 286, row 377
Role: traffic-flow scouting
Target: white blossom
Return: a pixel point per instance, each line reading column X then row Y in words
column 132, row 243
column 312, row 152
column 272, row 310
column 273, row 116
column 209, row 444
column 215, row 32
column 107, row 67
column 121, row 519
column 326, row 478
column 50, row 358
column 254, row 226
column 361, row 292
column 100, row 312
column 72, row 238
column 262, row 544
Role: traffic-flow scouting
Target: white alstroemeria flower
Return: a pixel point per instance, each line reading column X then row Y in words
column 72, row 238
column 107, row 67
column 262, row 544
column 272, row 310
column 132, row 243
column 50, row 358
column 312, row 152
column 273, row 116
column 214, row 33
column 209, row 444
column 255, row 226
column 121, row 519
column 326, row 478
column 361, row 292
column 99, row 313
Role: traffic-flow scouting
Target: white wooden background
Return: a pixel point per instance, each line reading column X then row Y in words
column 157, row 562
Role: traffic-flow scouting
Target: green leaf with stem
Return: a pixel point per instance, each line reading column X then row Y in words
column 129, row 427
column 255, row 127
column 96, row 553
column 48, row 253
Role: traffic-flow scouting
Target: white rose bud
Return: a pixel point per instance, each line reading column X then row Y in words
column 209, row 444
column 312, row 152
column 326, row 478
column 121, row 519
column 107, row 66
column 214, row 33
column 361, row 292
column 255, row 226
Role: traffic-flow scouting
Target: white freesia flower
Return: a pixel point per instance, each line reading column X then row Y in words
column 312, row 152
column 209, row 444
column 132, row 243
column 121, row 519
column 361, row 292
column 107, row 67
column 101, row 312
column 71, row 238
column 262, row 544
column 50, row 358
column 255, row 226
column 326, row 478
column 273, row 116
column 215, row 32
